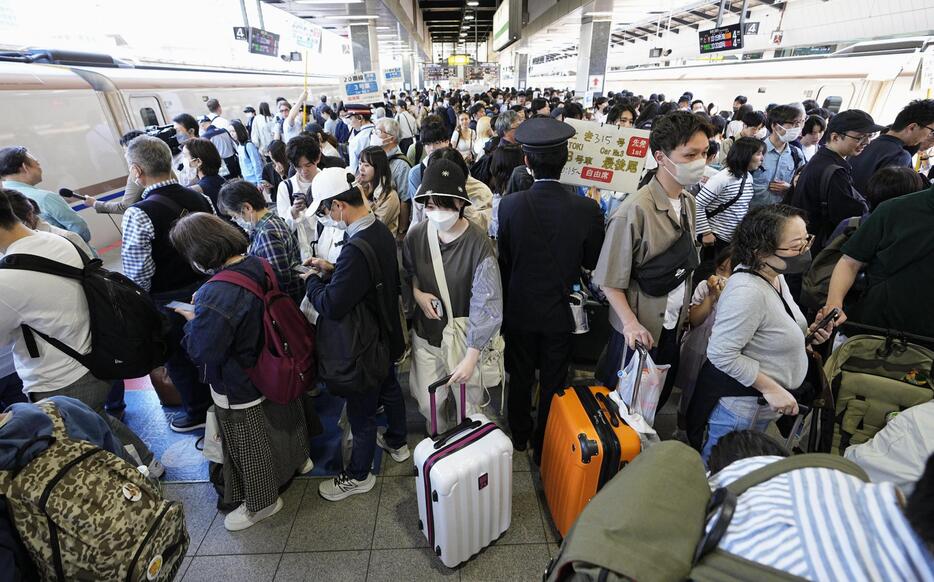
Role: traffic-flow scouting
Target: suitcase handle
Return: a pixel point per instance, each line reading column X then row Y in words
column 432, row 388
column 611, row 409
column 465, row 425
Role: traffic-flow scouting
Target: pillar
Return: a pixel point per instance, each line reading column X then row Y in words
column 522, row 70
column 407, row 76
column 365, row 47
column 594, row 45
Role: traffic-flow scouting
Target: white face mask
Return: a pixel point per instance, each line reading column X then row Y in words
column 375, row 140
column 790, row 134
column 338, row 224
column 689, row 173
column 761, row 134
column 243, row 223
column 443, row 220
column 197, row 267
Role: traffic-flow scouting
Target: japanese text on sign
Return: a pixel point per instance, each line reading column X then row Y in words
column 362, row 88
column 307, row 35
column 605, row 156
column 725, row 38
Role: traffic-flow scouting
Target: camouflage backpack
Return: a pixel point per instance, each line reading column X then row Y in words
column 85, row 514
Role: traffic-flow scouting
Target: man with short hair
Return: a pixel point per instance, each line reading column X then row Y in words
column 216, row 117
column 545, row 236
column 540, row 107
column 150, row 261
column 304, row 153
column 360, row 129
column 782, row 156
column 408, row 126
column 896, row 147
column 21, row 171
column 386, row 135
column 57, row 307
column 335, row 290
column 226, row 146
column 753, row 123
column 825, row 187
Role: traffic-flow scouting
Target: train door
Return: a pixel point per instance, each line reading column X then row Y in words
column 840, row 95
column 147, row 110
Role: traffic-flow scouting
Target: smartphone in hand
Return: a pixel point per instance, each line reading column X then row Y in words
column 180, row 305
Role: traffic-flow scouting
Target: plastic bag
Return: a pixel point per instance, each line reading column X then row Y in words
column 641, row 391
column 213, row 449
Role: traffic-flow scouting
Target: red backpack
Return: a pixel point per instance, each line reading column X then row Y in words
column 285, row 368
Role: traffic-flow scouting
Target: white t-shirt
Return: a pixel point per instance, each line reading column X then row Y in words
column 676, row 296
column 220, row 123
column 53, row 305
column 809, row 151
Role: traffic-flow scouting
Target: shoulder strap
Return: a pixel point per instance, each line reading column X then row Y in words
column 376, row 272
column 808, row 461
column 732, row 201
column 58, row 424
column 780, row 296
column 438, row 265
column 240, row 280
column 795, row 154
column 825, row 178
column 290, row 189
column 401, row 156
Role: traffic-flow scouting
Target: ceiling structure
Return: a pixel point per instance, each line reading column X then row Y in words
column 453, row 21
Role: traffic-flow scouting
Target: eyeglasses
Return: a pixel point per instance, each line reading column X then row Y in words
column 929, row 128
column 859, row 139
column 808, row 243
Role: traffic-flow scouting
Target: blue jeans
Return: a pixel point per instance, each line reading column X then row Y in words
column 361, row 413
column 736, row 413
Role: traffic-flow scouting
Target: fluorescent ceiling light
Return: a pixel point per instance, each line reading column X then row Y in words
column 598, row 14
column 473, row 3
column 383, row 28
column 328, row 1
column 468, row 17
column 353, row 17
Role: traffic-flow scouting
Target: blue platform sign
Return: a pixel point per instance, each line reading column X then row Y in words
column 393, row 73
column 362, row 88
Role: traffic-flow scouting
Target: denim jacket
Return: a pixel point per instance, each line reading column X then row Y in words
column 225, row 337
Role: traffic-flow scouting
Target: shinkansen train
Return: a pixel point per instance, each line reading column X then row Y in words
column 71, row 116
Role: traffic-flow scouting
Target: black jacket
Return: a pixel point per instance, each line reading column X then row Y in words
column 541, row 254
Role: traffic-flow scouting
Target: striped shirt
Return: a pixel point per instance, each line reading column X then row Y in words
column 822, row 524
column 718, row 190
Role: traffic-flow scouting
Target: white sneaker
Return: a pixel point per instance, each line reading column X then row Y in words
column 342, row 487
column 240, row 518
column 306, row 467
column 398, row 455
column 156, row 468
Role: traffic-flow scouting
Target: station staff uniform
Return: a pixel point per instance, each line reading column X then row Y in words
column 546, row 235
column 360, row 140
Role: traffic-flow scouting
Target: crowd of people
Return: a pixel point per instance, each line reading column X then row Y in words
column 437, row 222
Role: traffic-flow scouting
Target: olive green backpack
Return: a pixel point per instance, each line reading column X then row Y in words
column 85, row 514
column 647, row 524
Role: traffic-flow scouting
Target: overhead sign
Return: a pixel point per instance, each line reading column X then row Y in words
column 362, row 88
column 605, row 156
column 307, row 35
column 456, row 60
column 725, row 38
column 241, row 33
column 777, row 36
column 506, row 24
column 263, row 42
column 392, row 74
column 595, row 83
column 751, row 28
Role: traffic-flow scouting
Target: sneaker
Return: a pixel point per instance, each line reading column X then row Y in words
column 343, row 486
column 156, row 469
column 240, row 518
column 186, row 423
column 398, row 455
column 306, row 467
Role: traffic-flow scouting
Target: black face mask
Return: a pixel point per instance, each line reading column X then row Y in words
column 794, row 265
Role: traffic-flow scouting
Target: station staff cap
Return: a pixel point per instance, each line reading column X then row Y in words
column 541, row 134
column 443, row 178
column 853, row 120
column 358, row 109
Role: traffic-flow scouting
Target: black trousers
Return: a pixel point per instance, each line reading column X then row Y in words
column 550, row 354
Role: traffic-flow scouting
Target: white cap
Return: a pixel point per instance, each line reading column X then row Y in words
column 329, row 183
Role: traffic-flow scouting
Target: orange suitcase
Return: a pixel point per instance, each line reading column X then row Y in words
column 586, row 444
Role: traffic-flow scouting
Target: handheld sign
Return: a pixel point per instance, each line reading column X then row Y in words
column 605, row 156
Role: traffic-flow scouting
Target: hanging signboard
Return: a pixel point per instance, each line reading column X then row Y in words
column 263, row 42
column 605, row 156
column 307, row 35
column 241, row 33
column 393, row 74
column 725, row 38
column 362, row 88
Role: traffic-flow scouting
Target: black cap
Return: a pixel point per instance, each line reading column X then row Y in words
column 249, row 109
column 443, row 178
column 853, row 120
column 541, row 134
column 204, row 119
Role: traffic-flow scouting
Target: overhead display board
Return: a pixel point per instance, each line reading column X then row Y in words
column 487, row 72
column 263, row 42
column 362, row 88
column 725, row 38
column 605, row 156
column 435, row 73
column 507, row 24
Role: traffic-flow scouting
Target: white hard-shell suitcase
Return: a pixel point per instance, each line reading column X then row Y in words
column 464, row 484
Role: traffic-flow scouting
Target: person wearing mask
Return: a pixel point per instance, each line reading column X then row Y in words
column 432, row 136
column 464, row 138
column 21, row 171
column 201, row 156
column 275, row 171
column 262, row 130
column 471, row 288
column 374, row 179
column 331, row 121
column 265, row 443
column 386, row 135
column 28, row 213
column 753, row 125
column 782, row 155
column 334, row 290
column 912, row 125
column 251, row 162
column 723, row 200
column 408, row 125
column 55, row 306
column 825, row 188
column 546, row 235
column 249, row 113
column 814, row 128
column 217, row 114
column 360, row 128
column 150, row 261
column 270, row 237
column 757, row 346
column 481, row 197
column 649, row 255
column 697, row 106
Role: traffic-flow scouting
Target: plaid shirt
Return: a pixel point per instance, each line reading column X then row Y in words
column 272, row 240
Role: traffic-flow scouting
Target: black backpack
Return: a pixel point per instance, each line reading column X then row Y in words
column 128, row 333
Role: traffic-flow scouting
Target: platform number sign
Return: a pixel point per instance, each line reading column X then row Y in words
column 725, row 38
column 362, row 88
column 241, row 33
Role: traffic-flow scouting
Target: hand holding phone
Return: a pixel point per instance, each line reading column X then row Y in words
column 181, row 305
column 832, row 316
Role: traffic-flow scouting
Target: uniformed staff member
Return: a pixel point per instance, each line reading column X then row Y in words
column 546, row 234
column 360, row 129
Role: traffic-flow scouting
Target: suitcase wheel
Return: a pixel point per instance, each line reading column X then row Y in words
column 438, row 551
column 434, row 496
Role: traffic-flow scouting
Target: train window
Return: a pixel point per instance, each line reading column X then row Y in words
column 833, row 103
column 148, row 115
